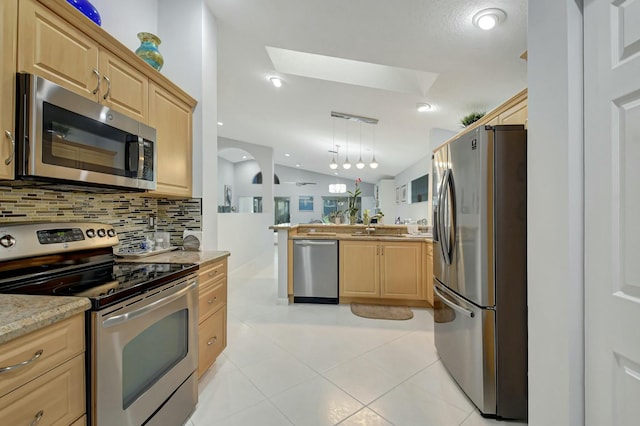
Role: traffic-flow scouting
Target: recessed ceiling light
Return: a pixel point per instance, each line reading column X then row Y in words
column 220, row 123
column 276, row 81
column 297, row 165
column 422, row 107
column 287, row 155
column 244, row 157
column 489, row 18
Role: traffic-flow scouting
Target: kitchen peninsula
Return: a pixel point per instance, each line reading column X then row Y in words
column 381, row 264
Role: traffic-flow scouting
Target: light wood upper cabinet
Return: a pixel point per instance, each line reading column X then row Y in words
column 517, row 114
column 388, row 270
column 8, row 46
column 52, row 48
column 172, row 119
column 126, row 90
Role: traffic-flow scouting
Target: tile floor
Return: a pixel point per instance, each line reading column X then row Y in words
column 309, row 364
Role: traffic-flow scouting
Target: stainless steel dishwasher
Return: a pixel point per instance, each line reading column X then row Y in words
column 315, row 271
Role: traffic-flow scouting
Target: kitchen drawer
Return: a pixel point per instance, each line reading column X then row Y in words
column 57, row 397
column 212, row 339
column 212, row 299
column 211, row 273
column 82, row 421
column 58, row 343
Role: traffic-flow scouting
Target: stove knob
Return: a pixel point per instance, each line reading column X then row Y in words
column 101, row 233
column 111, row 233
column 91, row 232
column 7, row 241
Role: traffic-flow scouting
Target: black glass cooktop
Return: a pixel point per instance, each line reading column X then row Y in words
column 103, row 283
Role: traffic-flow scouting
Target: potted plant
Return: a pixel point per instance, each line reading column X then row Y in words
column 352, row 202
column 471, row 118
column 336, row 216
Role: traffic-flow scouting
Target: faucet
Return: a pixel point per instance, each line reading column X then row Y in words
column 369, row 230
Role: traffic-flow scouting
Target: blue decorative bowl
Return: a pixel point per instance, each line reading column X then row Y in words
column 87, row 9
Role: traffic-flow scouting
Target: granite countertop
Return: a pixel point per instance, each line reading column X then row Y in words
column 180, row 256
column 361, row 237
column 22, row 314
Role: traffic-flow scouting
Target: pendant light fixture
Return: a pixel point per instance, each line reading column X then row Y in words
column 350, row 117
column 334, row 164
column 347, row 165
column 374, row 163
column 360, row 163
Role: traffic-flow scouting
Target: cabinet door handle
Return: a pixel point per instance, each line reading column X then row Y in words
column 9, row 159
column 212, row 341
column 37, row 419
column 97, row 74
column 37, row 355
column 210, row 301
column 106, row 95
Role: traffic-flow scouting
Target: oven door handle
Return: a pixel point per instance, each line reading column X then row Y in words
column 118, row 319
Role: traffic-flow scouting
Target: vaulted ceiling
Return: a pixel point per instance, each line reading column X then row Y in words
column 370, row 58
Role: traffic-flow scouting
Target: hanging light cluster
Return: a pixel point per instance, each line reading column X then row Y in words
column 347, row 164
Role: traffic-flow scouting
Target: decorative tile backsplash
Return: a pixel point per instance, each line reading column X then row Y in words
column 128, row 213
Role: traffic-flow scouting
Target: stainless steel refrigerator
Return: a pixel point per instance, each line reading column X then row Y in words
column 480, row 266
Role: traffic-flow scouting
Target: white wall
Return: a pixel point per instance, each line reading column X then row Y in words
column 225, row 177
column 246, row 235
column 124, row 19
column 409, row 210
column 555, row 214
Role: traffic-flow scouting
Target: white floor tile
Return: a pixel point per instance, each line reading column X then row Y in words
column 227, row 393
column 405, row 356
column 436, row 380
column 362, row 379
column 263, row 414
column 275, row 375
column 475, row 419
column 365, row 417
column 316, row 402
column 409, row 405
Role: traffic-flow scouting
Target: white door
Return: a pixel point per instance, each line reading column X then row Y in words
column 612, row 211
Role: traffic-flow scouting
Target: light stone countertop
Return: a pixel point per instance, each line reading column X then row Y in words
column 180, row 256
column 21, row 314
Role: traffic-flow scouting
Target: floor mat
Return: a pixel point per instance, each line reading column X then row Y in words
column 382, row 311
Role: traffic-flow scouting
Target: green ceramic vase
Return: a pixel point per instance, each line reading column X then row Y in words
column 148, row 50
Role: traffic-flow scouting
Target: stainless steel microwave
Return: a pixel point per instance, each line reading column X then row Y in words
column 65, row 139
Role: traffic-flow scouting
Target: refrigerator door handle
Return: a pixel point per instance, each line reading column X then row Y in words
column 448, row 234
column 452, row 304
column 451, row 210
column 440, row 216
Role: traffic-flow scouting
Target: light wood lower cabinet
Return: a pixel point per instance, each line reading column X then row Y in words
column 387, row 270
column 50, row 387
column 212, row 306
column 427, row 253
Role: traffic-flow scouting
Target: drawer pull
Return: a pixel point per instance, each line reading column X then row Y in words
column 37, row 355
column 212, row 273
column 210, row 301
column 38, row 418
column 212, row 341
